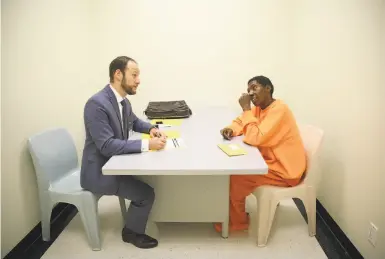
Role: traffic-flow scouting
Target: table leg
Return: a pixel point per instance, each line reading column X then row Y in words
column 225, row 223
column 225, row 228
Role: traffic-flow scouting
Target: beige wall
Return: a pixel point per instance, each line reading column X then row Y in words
column 46, row 79
column 323, row 57
column 0, row 123
column 337, row 58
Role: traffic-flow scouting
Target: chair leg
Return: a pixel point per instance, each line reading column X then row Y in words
column 310, row 206
column 89, row 214
column 46, row 211
column 123, row 209
column 265, row 217
column 273, row 209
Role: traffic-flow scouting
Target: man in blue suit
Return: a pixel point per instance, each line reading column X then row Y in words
column 108, row 120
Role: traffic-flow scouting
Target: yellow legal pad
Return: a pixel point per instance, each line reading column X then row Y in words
column 169, row 133
column 232, row 149
column 171, row 122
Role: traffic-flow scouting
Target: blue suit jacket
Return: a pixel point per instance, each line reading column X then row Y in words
column 104, row 139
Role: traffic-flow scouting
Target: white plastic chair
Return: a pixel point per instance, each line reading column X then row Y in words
column 58, row 177
column 268, row 197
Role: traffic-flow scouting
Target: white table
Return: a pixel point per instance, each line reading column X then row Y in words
column 192, row 183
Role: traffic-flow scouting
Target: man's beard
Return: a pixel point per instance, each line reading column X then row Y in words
column 126, row 87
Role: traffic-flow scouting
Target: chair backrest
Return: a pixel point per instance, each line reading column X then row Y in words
column 53, row 154
column 312, row 138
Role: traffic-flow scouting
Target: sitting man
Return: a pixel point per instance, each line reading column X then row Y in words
column 108, row 120
column 270, row 126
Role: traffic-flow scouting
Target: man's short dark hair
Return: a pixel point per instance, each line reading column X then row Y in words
column 264, row 81
column 119, row 63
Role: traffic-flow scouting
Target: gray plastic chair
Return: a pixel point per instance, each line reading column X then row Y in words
column 58, row 177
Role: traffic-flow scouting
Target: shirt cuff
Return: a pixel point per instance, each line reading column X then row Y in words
column 145, row 145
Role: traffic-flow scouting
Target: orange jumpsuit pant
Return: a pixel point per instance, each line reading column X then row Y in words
column 240, row 187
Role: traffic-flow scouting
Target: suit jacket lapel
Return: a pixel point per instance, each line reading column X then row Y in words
column 115, row 104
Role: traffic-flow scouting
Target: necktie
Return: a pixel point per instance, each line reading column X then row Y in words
column 125, row 118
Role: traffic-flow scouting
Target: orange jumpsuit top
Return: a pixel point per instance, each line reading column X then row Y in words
column 275, row 133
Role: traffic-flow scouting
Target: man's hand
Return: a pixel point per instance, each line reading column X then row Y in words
column 227, row 133
column 157, row 143
column 245, row 102
column 156, row 133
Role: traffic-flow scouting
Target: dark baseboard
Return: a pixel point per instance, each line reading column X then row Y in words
column 32, row 245
column 330, row 236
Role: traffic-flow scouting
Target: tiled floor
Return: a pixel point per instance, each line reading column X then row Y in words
column 289, row 239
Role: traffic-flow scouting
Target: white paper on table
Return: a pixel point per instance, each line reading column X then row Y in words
column 233, row 147
column 175, row 143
